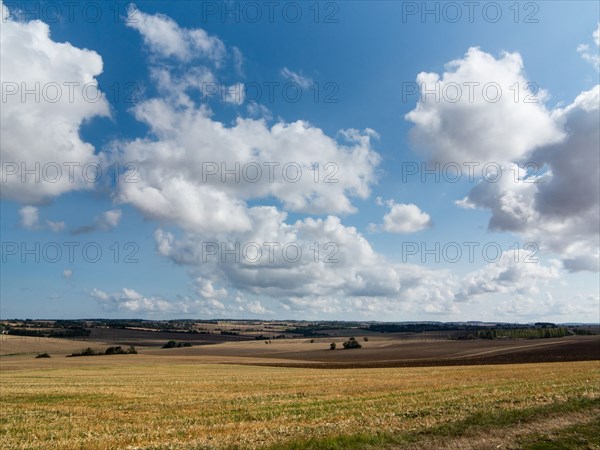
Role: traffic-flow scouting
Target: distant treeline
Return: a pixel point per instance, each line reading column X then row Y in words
column 417, row 327
column 528, row 333
column 310, row 331
column 52, row 332
column 584, row 332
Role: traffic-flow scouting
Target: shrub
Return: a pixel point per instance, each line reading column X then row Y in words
column 366, row 339
column 43, row 355
column 351, row 343
column 175, row 344
column 85, row 352
column 118, row 350
column 332, row 346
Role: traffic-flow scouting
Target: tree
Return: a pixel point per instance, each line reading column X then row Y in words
column 351, row 343
column 332, row 346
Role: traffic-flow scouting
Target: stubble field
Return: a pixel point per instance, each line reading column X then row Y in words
column 143, row 401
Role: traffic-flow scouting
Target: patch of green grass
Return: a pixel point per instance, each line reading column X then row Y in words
column 505, row 418
column 472, row 424
column 580, row 436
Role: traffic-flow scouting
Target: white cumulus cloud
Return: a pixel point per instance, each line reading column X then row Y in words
column 500, row 120
column 405, row 218
column 41, row 134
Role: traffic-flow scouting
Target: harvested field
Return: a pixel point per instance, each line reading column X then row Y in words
column 108, row 403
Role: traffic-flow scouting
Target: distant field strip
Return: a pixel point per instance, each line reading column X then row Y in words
column 185, row 406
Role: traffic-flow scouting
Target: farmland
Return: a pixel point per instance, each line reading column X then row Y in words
column 112, row 404
column 230, row 395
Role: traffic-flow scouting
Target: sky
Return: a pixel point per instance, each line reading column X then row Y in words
column 391, row 161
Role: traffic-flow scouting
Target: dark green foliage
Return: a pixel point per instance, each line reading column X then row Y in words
column 332, row 346
column 85, row 352
column 118, row 350
column 175, row 344
column 583, row 332
column 53, row 333
column 43, row 355
column 523, row 333
column 351, row 343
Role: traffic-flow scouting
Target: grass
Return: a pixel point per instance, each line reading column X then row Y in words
column 470, row 427
column 580, row 436
column 226, row 406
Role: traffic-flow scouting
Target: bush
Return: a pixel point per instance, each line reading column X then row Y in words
column 366, row 339
column 332, row 346
column 114, row 350
column 118, row 350
column 85, row 352
column 352, row 343
column 175, row 344
column 43, row 355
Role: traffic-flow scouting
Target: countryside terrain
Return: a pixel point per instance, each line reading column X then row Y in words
column 399, row 390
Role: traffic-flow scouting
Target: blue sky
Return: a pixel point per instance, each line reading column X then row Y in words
column 155, row 63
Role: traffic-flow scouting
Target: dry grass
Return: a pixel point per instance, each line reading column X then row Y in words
column 16, row 345
column 153, row 404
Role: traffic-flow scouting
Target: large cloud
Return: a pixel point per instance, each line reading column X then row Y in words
column 516, row 272
column 218, row 230
column 45, row 130
column 557, row 206
column 200, row 174
column 560, row 210
column 183, row 167
column 356, row 280
column 484, row 112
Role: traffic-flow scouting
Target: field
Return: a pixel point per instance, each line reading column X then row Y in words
column 202, row 397
column 380, row 351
